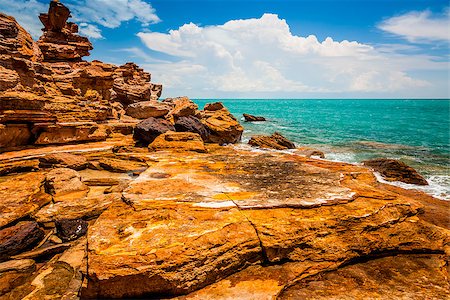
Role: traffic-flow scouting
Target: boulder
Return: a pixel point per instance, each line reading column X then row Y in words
column 250, row 118
column 395, row 170
column 178, row 141
column 149, row 129
column 21, row 195
column 69, row 230
column 223, row 127
column 213, row 106
column 147, row 109
column 183, row 107
column 192, row 124
column 63, row 160
column 65, row 183
column 18, row 238
column 275, row 141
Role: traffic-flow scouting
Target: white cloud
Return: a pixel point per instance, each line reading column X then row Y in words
column 91, row 13
column 419, row 26
column 263, row 56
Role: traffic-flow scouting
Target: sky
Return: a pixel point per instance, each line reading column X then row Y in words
column 269, row 48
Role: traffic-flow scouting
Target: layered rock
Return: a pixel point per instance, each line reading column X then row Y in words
column 395, row 170
column 222, row 125
column 178, row 141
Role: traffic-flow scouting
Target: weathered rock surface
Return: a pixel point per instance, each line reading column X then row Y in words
column 63, row 160
column 149, row 129
column 223, row 127
column 251, row 118
column 309, row 152
column 395, row 170
column 178, row 141
column 14, row 273
column 21, row 195
column 192, row 124
column 65, row 183
column 18, row 238
column 214, row 106
column 275, row 141
column 183, row 107
column 147, row 109
column 418, row 276
column 122, row 165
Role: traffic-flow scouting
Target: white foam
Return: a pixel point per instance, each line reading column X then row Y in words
column 438, row 185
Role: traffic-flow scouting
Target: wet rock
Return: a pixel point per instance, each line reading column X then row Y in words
column 309, row 152
column 395, row 170
column 148, row 130
column 147, row 109
column 178, row 141
column 183, row 107
column 69, row 230
column 251, row 118
column 214, row 106
column 18, row 238
column 21, row 195
column 122, row 165
column 63, row 160
column 223, row 127
column 65, row 183
column 192, row 124
column 14, row 273
column 275, row 141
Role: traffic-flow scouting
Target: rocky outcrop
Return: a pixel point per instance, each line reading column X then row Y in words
column 178, row 141
column 182, row 107
column 65, row 183
column 222, row 126
column 251, row 118
column 60, row 41
column 192, row 124
column 17, row 238
column 275, row 141
column 63, row 160
column 395, row 170
column 147, row 109
column 149, row 129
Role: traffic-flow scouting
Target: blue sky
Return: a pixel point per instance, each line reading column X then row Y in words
column 270, row 48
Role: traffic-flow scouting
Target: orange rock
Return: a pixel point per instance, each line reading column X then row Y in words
column 183, row 107
column 395, row 170
column 275, row 141
column 178, row 141
column 223, row 126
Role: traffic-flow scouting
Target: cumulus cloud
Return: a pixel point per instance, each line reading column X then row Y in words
column 262, row 55
column 90, row 13
column 420, row 26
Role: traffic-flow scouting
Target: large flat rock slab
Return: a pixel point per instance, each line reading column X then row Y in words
column 21, row 195
column 166, row 248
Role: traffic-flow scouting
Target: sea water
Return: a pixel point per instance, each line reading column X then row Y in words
column 414, row 131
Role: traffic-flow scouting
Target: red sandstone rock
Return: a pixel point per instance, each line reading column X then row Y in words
column 275, row 141
column 251, row 118
column 18, row 238
column 223, row 126
column 183, row 107
column 147, row 109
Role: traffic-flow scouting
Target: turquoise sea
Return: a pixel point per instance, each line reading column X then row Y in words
column 414, row 131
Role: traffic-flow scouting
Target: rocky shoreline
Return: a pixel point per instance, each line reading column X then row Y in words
column 108, row 192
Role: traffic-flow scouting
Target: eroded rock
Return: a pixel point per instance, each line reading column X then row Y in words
column 65, row 183
column 275, row 141
column 192, row 124
column 178, row 141
column 251, row 118
column 223, row 127
column 147, row 109
column 69, row 230
column 63, row 160
column 18, row 238
column 395, row 170
column 149, row 129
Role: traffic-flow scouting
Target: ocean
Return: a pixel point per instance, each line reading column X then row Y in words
column 414, row 131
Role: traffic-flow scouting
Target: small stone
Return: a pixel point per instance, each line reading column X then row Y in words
column 69, row 230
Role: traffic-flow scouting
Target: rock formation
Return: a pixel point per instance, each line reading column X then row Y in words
column 275, row 141
column 88, row 212
column 251, row 118
column 395, row 170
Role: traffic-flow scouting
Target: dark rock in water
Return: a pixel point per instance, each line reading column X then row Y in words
column 250, row 118
column 63, row 160
column 192, row 124
column 309, row 152
column 275, row 141
column 69, row 230
column 395, row 170
column 214, row 106
column 18, row 238
column 149, row 129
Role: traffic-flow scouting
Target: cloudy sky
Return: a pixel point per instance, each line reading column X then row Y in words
column 269, row 48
